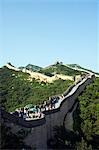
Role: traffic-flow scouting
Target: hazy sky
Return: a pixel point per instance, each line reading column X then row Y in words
column 41, row 32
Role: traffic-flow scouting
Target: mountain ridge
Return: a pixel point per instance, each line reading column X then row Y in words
column 52, row 72
column 40, row 76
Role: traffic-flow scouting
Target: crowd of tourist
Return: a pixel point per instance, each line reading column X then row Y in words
column 37, row 111
column 27, row 113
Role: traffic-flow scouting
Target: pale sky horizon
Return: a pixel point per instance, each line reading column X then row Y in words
column 42, row 32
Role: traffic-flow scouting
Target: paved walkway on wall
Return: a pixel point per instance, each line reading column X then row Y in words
column 71, row 92
column 75, row 87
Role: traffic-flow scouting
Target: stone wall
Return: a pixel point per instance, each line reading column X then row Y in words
column 42, row 129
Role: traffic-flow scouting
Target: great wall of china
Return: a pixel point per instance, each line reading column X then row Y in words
column 41, row 130
column 42, row 77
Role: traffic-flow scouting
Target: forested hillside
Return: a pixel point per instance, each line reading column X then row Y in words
column 16, row 90
column 86, row 120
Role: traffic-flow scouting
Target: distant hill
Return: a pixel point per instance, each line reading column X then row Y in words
column 59, row 68
column 45, row 77
column 79, row 68
column 31, row 67
column 52, row 72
